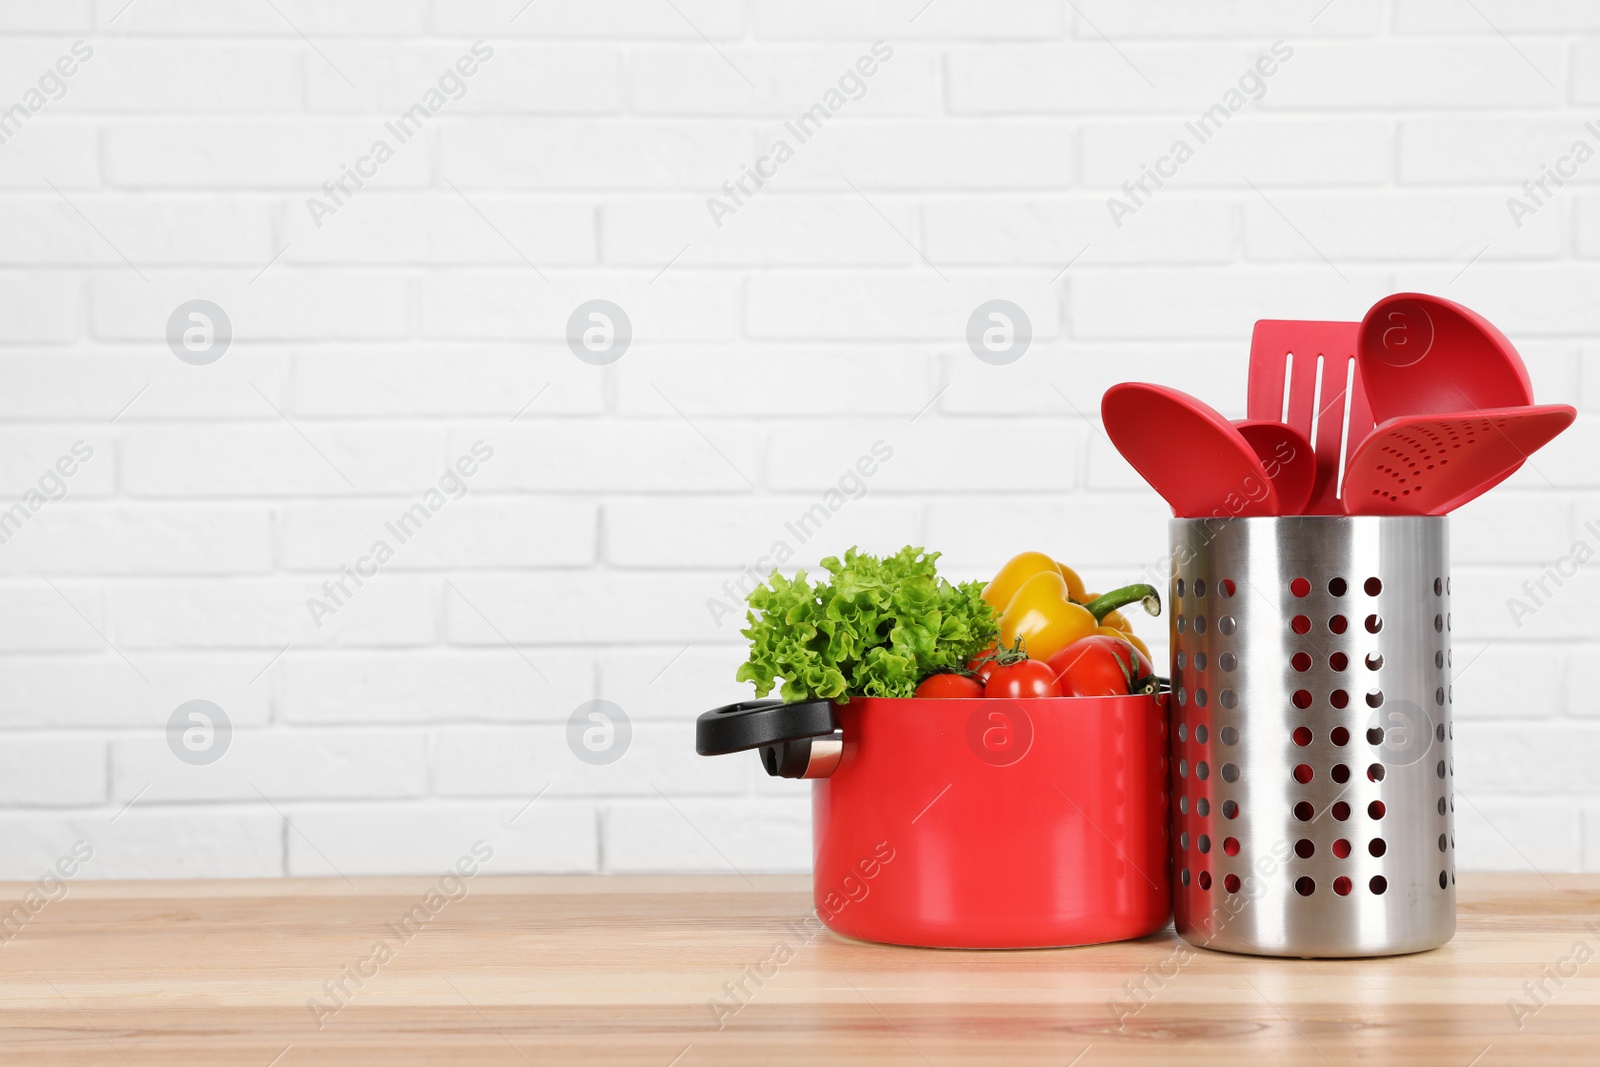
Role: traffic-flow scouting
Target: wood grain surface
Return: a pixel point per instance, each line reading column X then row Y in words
column 629, row 970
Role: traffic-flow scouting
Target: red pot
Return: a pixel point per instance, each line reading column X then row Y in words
column 977, row 823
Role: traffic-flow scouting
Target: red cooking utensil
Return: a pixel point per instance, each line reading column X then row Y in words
column 975, row 823
column 1287, row 458
column 1304, row 374
column 1432, row 465
column 1425, row 355
column 1190, row 454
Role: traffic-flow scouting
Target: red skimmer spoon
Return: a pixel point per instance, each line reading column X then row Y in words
column 1196, row 459
column 1433, row 464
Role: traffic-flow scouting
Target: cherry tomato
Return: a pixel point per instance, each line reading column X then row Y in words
column 1016, row 681
column 1099, row 666
column 949, row 686
column 982, row 664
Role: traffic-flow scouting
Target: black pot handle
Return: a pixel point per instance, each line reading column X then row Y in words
column 758, row 723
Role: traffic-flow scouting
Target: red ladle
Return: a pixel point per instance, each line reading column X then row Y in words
column 1425, row 355
column 1196, row 459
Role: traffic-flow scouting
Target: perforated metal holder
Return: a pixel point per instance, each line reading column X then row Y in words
column 1311, row 735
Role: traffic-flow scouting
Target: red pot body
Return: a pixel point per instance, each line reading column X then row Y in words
column 985, row 823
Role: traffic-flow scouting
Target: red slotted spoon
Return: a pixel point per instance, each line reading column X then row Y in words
column 1434, row 464
column 1304, row 374
column 1196, row 459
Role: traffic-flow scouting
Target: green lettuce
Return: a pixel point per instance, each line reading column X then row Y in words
column 875, row 627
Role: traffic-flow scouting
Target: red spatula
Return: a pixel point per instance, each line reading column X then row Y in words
column 1189, row 453
column 1304, row 374
column 1433, row 464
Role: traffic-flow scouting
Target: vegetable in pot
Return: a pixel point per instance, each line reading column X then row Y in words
column 1102, row 666
column 875, row 627
column 1045, row 619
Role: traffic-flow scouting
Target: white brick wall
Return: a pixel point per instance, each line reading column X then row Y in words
column 430, row 312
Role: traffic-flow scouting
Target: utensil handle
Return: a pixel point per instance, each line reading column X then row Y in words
column 759, row 723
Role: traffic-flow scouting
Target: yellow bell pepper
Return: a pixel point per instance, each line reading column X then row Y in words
column 1042, row 616
column 1018, row 569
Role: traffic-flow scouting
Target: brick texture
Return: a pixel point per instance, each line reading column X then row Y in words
column 404, row 538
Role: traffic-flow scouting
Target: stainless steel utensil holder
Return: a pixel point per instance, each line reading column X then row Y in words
column 1311, row 735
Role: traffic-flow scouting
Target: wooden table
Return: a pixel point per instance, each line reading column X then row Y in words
column 625, row 970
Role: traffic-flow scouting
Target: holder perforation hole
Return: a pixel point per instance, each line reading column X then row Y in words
column 1374, row 623
column 1230, row 809
column 1337, row 586
column 1204, row 879
column 1339, row 736
column 1338, row 624
column 1305, row 848
column 1379, row 884
column 1341, row 848
column 1231, row 882
column 1300, row 587
column 1341, row 885
column 1305, row 886
column 1377, row 847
